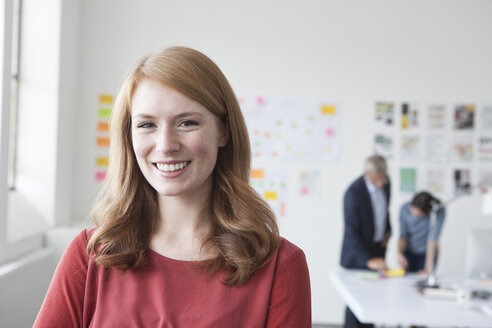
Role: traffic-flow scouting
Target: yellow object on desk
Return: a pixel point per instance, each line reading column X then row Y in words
column 394, row 273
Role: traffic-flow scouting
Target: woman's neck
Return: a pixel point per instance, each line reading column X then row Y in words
column 183, row 228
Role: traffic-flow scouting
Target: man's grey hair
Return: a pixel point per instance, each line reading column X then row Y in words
column 377, row 164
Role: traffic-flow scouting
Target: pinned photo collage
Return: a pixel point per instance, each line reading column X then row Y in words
column 435, row 145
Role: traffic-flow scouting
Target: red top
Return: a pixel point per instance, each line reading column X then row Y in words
column 170, row 293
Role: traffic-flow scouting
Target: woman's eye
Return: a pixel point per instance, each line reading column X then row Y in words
column 187, row 123
column 145, row 125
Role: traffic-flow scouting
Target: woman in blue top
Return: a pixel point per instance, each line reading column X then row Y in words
column 415, row 242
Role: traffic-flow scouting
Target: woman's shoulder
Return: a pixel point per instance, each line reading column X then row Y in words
column 79, row 242
column 288, row 251
column 84, row 235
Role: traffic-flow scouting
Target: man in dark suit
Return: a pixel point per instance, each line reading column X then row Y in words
column 367, row 225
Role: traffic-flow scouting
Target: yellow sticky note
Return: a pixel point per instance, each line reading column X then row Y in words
column 394, row 273
column 102, row 161
column 328, row 110
column 257, row 174
column 105, row 99
column 270, row 195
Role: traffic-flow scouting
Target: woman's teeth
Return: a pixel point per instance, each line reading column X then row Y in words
column 171, row 167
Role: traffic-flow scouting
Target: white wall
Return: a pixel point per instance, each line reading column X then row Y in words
column 355, row 51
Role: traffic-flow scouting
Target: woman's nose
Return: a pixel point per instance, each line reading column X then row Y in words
column 168, row 141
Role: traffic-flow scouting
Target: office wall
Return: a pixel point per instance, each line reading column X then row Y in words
column 355, row 51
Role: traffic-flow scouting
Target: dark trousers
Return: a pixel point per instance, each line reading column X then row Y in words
column 416, row 262
column 351, row 321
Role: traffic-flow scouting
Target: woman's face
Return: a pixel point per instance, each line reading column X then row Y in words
column 175, row 140
column 416, row 212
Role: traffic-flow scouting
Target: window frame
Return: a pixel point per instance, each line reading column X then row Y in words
column 9, row 250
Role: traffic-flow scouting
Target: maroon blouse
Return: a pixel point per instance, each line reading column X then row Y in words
column 170, row 293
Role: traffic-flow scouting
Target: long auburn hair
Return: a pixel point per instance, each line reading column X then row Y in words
column 244, row 230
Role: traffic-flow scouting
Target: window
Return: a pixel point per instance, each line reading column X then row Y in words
column 39, row 60
column 9, row 48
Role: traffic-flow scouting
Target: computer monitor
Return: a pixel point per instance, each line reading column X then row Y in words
column 479, row 254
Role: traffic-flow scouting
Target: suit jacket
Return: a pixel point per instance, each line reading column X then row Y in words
column 358, row 245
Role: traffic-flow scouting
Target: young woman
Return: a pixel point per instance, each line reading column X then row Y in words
column 416, row 243
column 181, row 239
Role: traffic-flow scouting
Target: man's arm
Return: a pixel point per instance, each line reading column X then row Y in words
column 402, row 260
column 354, row 253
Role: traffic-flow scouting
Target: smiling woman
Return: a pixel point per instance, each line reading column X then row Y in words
column 175, row 140
column 176, row 215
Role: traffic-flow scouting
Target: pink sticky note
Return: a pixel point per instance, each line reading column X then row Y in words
column 329, row 132
column 304, row 191
column 99, row 176
column 260, row 100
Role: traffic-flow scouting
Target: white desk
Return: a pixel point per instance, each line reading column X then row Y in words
column 396, row 301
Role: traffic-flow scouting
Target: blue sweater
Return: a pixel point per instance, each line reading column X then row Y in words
column 416, row 230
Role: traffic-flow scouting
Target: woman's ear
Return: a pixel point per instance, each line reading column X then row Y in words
column 224, row 137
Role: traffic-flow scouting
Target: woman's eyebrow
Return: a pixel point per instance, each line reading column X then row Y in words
column 145, row 116
column 181, row 115
column 185, row 114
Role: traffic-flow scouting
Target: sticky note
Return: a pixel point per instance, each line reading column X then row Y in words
column 274, row 154
column 367, row 275
column 105, row 99
column 260, row 100
column 282, row 209
column 104, row 112
column 257, row 154
column 272, row 195
column 102, row 142
column 328, row 110
column 102, row 161
column 307, row 132
column 279, row 123
column 310, row 118
column 100, row 175
column 103, row 126
column 329, row 132
column 394, row 273
column 257, row 174
column 304, row 191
